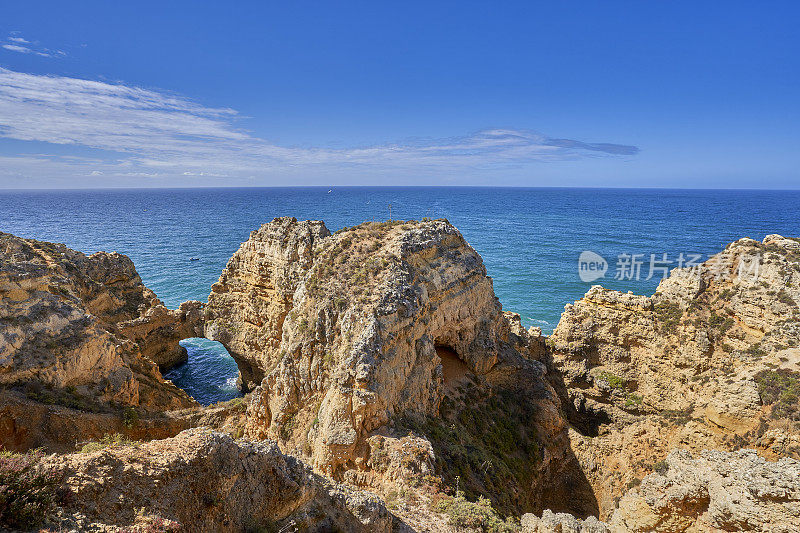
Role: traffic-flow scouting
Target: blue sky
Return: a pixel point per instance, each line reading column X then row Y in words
column 602, row 94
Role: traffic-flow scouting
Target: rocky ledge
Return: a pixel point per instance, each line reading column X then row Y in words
column 717, row 491
column 206, row 481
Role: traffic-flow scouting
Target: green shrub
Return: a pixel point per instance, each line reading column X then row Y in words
column 614, row 381
column 756, row 350
column 669, row 315
column 784, row 297
column 108, row 441
column 780, row 389
column 633, row 400
column 130, row 417
column 661, row 467
column 480, row 515
column 27, row 493
column 721, row 323
column 302, row 326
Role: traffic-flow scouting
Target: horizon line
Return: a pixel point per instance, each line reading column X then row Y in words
column 332, row 187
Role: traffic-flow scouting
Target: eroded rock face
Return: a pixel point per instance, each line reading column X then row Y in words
column 158, row 330
column 713, row 491
column 698, row 323
column 717, row 491
column 386, row 328
column 85, row 333
column 207, row 481
column 690, row 367
column 249, row 303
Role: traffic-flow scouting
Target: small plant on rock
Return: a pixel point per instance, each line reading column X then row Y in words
column 108, row 441
column 130, row 418
column 27, row 491
column 614, row 381
column 661, row 467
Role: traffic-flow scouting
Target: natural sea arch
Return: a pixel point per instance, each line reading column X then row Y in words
column 209, row 374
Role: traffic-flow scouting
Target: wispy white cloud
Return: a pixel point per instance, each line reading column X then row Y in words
column 17, row 48
column 15, row 44
column 144, row 132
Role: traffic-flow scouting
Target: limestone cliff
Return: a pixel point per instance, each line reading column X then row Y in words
column 83, row 333
column 249, row 303
column 381, row 355
column 706, row 362
column 382, row 333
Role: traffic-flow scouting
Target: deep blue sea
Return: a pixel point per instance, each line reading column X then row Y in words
column 530, row 239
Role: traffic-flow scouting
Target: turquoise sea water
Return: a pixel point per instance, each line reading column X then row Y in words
column 530, row 239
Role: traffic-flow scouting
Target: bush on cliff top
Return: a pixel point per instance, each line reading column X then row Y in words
column 669, row 315
column 27, row 493
column 480, row 515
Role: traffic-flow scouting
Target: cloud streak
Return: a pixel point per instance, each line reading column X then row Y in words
column 24, row 46
column 144, row 132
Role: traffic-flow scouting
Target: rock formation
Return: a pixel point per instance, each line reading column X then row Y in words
column 82, row 333
column 158, row 330
column 207, row 481
column 385, row 332
column 380, row 355
column 706, row 362
column 717, row 491
column 249, row 304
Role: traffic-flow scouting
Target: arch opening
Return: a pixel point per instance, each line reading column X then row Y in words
column 454, row 370
column 209, row 373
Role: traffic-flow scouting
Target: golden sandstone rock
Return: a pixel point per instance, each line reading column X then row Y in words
column 381, row 356
column 382, row 329
column 208, row 482
column 685, row 368
column 82, row 334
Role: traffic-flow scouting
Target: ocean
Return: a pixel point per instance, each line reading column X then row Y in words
column 530, row 238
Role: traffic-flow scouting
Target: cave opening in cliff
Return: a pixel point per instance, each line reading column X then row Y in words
column 209, row 373
column 455, row 371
